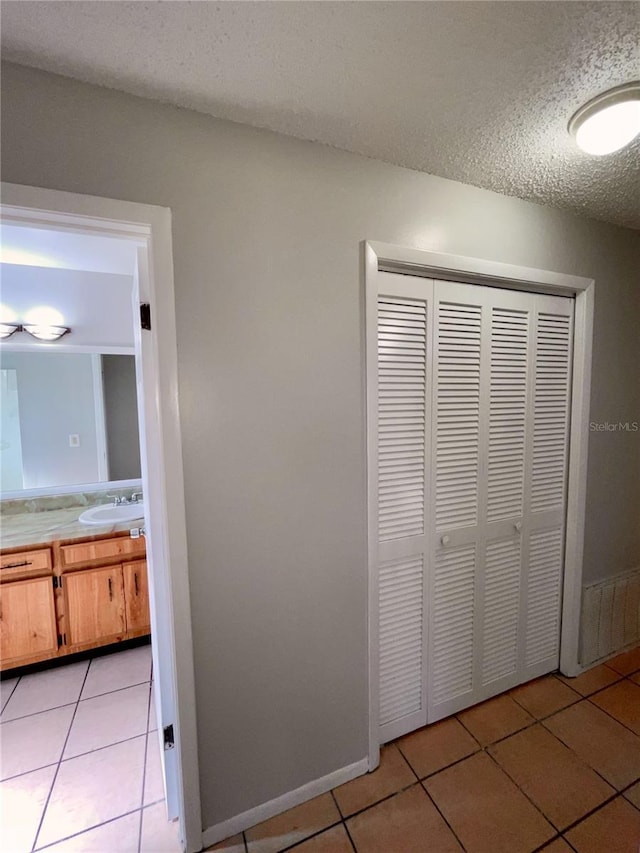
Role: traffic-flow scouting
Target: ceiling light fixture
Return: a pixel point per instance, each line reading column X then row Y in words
column 609, row 121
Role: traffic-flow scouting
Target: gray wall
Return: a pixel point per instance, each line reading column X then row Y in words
column 121, row 416
column 56, row 399
column 266, row 232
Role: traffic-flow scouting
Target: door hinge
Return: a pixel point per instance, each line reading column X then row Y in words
column 145, row 315
column 62, row 640
column 57, row 582
column 167, row 737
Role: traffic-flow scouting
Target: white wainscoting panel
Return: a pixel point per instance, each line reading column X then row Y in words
column 610, row 617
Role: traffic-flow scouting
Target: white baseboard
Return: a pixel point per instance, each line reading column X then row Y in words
column 610, row 617
column 243, row 821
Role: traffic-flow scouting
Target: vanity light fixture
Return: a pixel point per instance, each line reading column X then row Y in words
column 41, row 332
column 46, row 333
column 7, row 329
column 608, row 122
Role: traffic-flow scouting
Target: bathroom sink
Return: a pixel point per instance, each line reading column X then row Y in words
column 111, row 514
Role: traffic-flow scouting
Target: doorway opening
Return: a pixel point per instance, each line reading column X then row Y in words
column 109, row 580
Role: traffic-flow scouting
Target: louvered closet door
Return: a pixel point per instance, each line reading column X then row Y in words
column 469, row 437
column 401, row 432
column 502, row 371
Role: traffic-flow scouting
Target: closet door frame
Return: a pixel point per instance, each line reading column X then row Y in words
column 385, row 257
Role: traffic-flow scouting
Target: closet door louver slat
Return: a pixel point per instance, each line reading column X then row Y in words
column 501, row 610
column 457, row 403
column 544, row 595
column 507, row 413
column 402, row 342
column 401, row 623
column 401, row 476
column 452, row 623
column 552, row 379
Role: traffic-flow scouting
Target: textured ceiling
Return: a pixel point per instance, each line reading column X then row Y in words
column 479, row 92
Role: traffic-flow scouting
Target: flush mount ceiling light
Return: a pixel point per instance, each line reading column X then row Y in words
column 609, row 121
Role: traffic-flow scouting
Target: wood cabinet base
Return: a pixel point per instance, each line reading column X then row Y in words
column 72, row 609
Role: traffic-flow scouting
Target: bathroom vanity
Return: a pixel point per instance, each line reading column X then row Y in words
column 70, row 594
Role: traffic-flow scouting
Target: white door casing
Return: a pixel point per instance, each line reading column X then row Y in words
column 486, row 564
column 156, row 365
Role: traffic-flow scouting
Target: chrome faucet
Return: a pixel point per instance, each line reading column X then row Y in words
column 118, row 499
column 135, row 497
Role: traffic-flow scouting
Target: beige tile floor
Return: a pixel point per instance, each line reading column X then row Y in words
column 80, row 760
column 550, row 766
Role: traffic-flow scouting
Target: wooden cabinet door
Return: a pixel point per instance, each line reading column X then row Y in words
column 94, row 605
column 136, row 596
column 27, row 620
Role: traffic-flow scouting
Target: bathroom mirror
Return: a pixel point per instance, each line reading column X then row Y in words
column 67, row 419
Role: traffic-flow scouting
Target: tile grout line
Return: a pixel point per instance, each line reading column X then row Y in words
column 66, row 704
column 88, row 829
column 57, row 770
column 611, row 717
column 13, row 690
column 62, row 760
column 343, row 820
column 80, row 754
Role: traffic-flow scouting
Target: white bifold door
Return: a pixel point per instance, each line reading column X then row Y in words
column 468, row 429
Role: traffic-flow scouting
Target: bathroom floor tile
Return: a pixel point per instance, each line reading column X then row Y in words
column 94, row 788
column 7, row 686
column 622, row 701
column 635, row 678
column 393, row 774
column 627, row 662
column 22, row 801
column 294, row 825
column 334, row 840
column 436, row 746
column 495, row 719
column 487, row 812
column 118, row 670
column 35, row 741
column 108, row 719
column 544, row 696
column 593, row 679
column 615, row 828
column 42, row 691
column 121, row 835
column 405, row 823
column 551, row 775
column 153, row 784
column 159, row 835
column 600, row 741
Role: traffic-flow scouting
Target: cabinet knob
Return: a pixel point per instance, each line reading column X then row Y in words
column 445, row 540
column 518, row 526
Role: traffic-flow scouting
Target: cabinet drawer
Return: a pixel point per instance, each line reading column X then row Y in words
column 82, row 553
column 25, row 563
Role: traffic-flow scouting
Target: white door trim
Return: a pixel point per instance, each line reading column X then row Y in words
column 149, row 226
column 390, row 258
